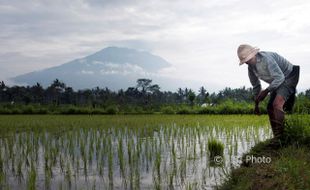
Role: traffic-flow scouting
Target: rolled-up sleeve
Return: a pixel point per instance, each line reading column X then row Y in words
column 276, row 74
column 254, row 81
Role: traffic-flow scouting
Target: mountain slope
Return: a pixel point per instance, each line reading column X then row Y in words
column 112, row 67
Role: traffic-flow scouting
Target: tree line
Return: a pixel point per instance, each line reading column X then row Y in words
column 145, row 96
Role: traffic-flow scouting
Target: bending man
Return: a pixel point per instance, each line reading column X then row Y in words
column 282, row 78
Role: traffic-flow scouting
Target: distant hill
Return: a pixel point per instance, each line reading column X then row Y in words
column 112, row 67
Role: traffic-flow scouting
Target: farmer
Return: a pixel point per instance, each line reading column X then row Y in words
column 282, row 78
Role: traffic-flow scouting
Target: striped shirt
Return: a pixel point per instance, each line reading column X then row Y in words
column 271, row 68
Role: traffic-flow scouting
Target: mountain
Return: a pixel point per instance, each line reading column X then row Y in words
column 112, row 67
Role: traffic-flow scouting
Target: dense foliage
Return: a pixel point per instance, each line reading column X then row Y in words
column 145, row 97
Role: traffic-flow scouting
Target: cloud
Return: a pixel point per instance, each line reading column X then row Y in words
column 123, row 69
column 87, row 72
column 198, row 37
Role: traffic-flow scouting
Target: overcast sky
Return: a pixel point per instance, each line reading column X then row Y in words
column 199, row 38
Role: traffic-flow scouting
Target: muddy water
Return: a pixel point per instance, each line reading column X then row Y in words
column 170, row 158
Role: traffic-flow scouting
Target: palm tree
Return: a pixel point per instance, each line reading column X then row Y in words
column 3, row 90
column 180, row 95
column 202, row 95
column 143, row 85
column 191, row 97
column 55, row 90
column 37, row 92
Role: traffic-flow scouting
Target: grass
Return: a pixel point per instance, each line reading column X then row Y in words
column 223, row 107
column 297, row 130
column 59, row 123
column 289, row 169
column 290, row 165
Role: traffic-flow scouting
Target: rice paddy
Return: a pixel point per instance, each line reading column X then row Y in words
column 124, row 151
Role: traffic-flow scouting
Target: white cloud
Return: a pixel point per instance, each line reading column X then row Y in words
column 123, row 69
column 87, row 72
column 198, row 37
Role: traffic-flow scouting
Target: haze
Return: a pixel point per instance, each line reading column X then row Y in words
column 199, row 38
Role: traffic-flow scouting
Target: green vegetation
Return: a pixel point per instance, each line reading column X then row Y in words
column 215, row 148
column 171, row 151
column 227, row 107
column 297, row 130
column 144, row 98
column 290, row 165
column 121, row 151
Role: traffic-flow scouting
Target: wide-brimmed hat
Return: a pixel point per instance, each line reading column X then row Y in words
column 246, row 52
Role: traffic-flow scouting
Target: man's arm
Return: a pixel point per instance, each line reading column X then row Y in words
column 278, row 78
column 254, row 81
column 256, row 88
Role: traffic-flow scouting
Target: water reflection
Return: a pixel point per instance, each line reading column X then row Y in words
column 168, row 157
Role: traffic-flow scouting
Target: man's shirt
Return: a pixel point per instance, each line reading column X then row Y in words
column 271, row 68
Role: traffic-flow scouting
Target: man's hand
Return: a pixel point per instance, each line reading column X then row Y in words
column 261, row 96
column 256, row 110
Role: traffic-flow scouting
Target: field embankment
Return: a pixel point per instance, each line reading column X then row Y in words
column 289, row 167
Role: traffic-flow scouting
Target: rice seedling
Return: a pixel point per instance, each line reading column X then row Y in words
column 216, row 151
column 110, row 164
column 121, row 160
column 156, row 172
column 32, row 176
column 2, row 174
column 94, row 185
column 125, row 152
column 68, row 175
column 182, row 170
column 137, row 172
column 61, row 163
column 215, row 148
column 19, row 170
column 48, row 176
column 84, row 158
column 101, row 163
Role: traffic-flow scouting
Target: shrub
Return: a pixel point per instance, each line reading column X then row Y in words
column 42, row 111
column 28, row 110
column 74, row 110
column 83, row 111
column 184, row 110
column 206, row 110
column 16, row 111
column 5, row 111
column 68, row 110
column 167, row 110
column 297, row 130
column 112, row 110
column 138, row 109
column 98, row 111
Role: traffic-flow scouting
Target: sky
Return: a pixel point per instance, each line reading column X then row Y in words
column 199, row 38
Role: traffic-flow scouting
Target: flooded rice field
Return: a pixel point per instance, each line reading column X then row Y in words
column 128, row 152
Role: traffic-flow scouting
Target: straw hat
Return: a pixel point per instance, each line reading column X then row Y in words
column 246, row 52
